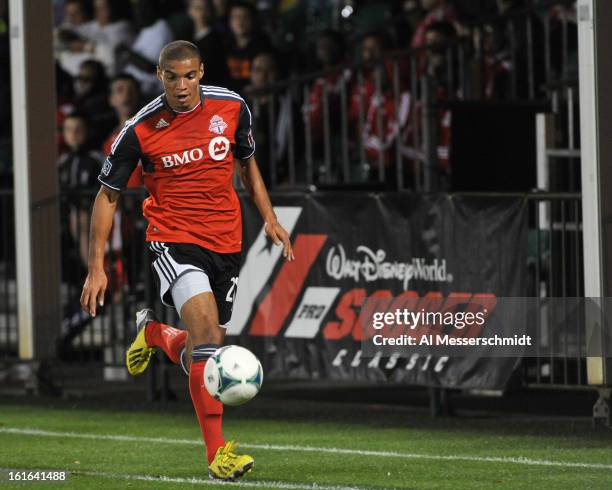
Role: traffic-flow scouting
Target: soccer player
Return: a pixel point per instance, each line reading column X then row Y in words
column 187, row 139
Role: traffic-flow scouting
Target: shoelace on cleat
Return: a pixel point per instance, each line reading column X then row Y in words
column 228, row 455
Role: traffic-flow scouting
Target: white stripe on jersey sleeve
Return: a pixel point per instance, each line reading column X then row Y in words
column 229, row 94
column 213, row 88
column 150, row 107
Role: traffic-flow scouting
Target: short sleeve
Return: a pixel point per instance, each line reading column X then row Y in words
column 245, row 144
column 122, row 160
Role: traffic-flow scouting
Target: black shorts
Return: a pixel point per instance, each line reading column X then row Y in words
column 172, row 260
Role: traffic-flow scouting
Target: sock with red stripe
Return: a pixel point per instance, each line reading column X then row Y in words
column 171, row 340
column 208, row 410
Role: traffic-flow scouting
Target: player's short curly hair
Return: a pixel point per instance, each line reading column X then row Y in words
column 178, row 51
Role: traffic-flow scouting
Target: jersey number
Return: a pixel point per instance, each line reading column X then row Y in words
column 231, row 294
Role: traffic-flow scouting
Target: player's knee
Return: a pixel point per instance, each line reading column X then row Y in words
column 203, row 324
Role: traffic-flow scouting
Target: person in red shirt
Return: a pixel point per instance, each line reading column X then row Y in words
column 383, row 115
column 437, row 10
column 330, row 54
column 188, row 140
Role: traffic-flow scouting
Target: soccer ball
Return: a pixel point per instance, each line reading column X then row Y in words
column 233, row 375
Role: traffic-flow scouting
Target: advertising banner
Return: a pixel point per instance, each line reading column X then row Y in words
column 301, row 317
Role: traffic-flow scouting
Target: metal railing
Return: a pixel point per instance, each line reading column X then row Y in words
column 554, row 269
column 390, row 139
column 385, row 124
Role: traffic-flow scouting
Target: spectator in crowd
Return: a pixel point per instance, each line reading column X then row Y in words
column 435, row 11
column 246, row 42
column 406, row 17
column 330, row 54
column 496, row 61
column 502, row 47
column 98, row 38
column 91, row 98
column 79, row 166
column 140, row 59
column 221, row 8
column 437, row 34
column 273, row 119
column 210, row 42
column 75, row 13
column 374, row 114
column 124, row 98
column 78, row 169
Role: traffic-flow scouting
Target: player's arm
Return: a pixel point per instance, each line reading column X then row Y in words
column 253, row 183
column 96, row 282
column 247, row 169
column 114, row 176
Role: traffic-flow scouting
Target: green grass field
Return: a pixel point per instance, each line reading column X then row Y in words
column 299, row 445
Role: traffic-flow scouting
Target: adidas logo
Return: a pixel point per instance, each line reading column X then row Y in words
column 161, row 124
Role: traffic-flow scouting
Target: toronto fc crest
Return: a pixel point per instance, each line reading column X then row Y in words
column 217, row 124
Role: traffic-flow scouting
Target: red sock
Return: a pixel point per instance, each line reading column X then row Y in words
column 170, row 339
column 208, row 410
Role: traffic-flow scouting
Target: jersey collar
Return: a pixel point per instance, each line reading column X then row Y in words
column 170, row 109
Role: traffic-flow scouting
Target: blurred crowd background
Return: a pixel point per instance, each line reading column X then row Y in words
column 344, row 111
column 421, row 95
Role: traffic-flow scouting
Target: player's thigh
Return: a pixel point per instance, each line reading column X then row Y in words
column 200, row 315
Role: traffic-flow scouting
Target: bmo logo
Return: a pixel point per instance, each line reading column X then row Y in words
column 177, row 159
column 218, row 148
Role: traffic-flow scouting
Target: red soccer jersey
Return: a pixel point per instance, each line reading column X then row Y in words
column 188, row 165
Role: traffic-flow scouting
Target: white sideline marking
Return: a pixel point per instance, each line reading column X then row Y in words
column 201, row 481
column 333, row 450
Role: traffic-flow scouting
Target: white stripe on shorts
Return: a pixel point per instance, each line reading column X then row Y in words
column 168, row 270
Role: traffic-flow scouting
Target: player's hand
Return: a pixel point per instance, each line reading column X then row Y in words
column 93, row 290
column 280, row 236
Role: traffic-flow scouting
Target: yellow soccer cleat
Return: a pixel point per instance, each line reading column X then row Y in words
column 228, row 465
column 139, row 354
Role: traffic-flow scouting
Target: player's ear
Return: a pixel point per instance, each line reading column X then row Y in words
column 159, row 73
column 201, row 70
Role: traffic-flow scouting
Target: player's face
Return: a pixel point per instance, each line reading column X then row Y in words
column 181, row 80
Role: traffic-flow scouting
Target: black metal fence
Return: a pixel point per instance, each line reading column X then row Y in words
column 555, row 269
column 381, row 124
